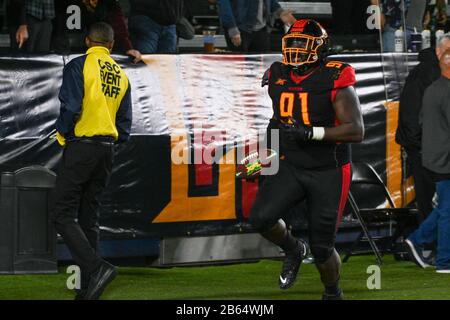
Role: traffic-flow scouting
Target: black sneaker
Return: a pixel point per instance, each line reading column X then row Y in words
column 337, row 296
column 415, row 254
column 291, row 265
column 100, row 279
column 430, row 259
column 80, row 294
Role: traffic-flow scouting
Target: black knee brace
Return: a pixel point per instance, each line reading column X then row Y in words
column 261, row 221
column 321, row 253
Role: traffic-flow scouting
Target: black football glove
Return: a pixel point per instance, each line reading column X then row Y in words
column 297, row 132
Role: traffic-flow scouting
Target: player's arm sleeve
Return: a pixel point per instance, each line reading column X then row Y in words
column 71, row 96
column 347, row 78
column 347, row 109
column 124, row 117
column 227, row 18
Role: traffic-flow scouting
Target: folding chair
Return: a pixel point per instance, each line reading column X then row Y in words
column 378, row 214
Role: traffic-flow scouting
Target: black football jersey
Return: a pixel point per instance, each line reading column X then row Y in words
column 309, row 100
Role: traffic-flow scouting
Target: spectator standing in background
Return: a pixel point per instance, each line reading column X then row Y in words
column 414, row 18
column 111, row 12
column 436, row 16
column 93, row 11
column 247, row 23
column 435, row 119
column 409, row 131
column 30, row 24
column 398, row 14
column 89, row 124
column 152, row 25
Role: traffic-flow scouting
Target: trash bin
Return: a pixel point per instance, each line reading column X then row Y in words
column 27, row 234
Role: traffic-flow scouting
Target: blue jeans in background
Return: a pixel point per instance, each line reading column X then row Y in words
column 389, row 38
column 437, row 227
column 148, row 36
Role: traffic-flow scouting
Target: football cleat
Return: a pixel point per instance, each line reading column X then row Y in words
column 291, row 265
column 337, row 296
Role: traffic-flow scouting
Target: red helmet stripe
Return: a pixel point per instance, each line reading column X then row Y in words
column 299, row 25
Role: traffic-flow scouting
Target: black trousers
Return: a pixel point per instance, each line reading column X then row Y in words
column 424, row 185
column 39, row 36
column 83, row 174
column 257, row 42
column 325, row 192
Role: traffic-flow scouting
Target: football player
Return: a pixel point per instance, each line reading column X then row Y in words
column 318, row 113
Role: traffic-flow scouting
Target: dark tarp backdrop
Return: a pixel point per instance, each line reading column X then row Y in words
column 175, row 97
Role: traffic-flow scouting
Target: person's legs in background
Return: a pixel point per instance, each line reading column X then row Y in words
column 423, row 184
column 14, row 48
column 40, row 35
column 427, row 231
column 230, row 44
column 34, row 29
column 60, row 40
column 388, row 37
column 145, row 34
column 168, row 40
column 60, row 37
column 443, row 241
column 45, row 37
column 245, row 42
column 408, row 33
column 260, row 41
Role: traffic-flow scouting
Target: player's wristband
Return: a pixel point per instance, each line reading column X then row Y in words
column 318, row 133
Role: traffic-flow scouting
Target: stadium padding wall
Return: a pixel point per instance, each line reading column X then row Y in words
column 177, row 99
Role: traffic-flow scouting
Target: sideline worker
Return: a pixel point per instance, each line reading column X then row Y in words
column 95, row 114
column 435, row 119
column 409, row 132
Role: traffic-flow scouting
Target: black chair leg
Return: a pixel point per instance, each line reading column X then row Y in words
column 354, row 245
column 365, row 230
column 372, row 243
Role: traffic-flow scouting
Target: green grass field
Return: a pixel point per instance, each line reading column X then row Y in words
column 399, row 280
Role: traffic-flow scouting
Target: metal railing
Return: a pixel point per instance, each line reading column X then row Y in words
column 309, row 9
column 197, row 42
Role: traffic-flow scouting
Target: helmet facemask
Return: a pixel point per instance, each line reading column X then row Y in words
column 299, row 49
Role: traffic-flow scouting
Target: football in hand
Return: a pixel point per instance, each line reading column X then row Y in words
column 250, row 166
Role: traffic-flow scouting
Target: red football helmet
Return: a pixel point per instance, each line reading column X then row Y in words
column 306, row 42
